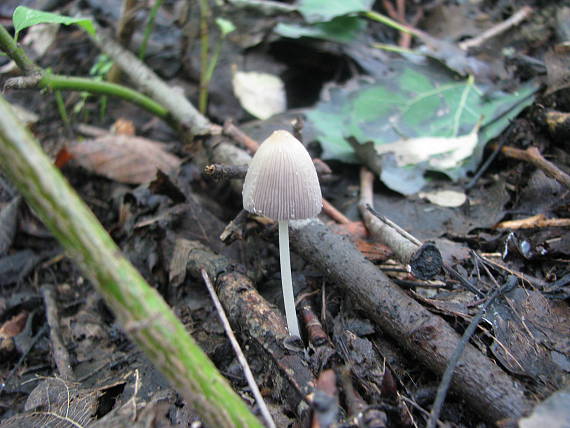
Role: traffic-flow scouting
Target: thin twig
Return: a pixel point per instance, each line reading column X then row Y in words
column 448, row 373
column 60, row 354
column 240, row 355
column 514, row 20
column 533, row 156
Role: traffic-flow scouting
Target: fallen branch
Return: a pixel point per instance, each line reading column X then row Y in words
column 498, row 29
column 237, row 349
column 139, row 308
column 249, row 312
column 428, row 337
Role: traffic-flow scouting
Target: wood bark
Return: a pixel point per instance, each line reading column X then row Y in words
column 487, row 389
column 256, row 318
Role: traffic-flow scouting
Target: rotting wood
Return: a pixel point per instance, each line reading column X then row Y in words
column 249, row 312
column 487, row 388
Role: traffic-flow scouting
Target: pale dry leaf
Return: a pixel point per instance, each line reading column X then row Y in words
column 445, row 198
column 124, row 158
column 439, row 152
column 260, row 94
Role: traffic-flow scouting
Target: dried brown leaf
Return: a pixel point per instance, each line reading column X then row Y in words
column 124, row 158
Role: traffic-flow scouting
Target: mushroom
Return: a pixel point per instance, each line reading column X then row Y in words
column 281, row 183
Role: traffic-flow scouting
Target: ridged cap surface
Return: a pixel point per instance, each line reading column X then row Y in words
column 281, row 182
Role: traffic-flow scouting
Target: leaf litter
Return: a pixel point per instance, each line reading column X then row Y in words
column 405, row 109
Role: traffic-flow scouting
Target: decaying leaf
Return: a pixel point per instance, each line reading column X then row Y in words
column 423, row 115
column 532, row 335
column 40, row 37
column 260, row 94
column 124, row 158
column 440, row 153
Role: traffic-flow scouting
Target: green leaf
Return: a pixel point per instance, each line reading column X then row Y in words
column 225, row 26
column 25, row 17
column 326, row 10
column 427, row 118
column 343, row 29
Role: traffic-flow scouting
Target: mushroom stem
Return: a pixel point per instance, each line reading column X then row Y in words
column 286, row 279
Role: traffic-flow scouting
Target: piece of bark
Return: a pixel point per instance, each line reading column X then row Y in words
column 249, row 312
column 486, row 388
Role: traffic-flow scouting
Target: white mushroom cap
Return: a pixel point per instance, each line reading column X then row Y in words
column 281, row 182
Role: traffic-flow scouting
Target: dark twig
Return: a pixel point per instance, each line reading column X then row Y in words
column 325, row 401
column 454, row 359
column 60, row 354
column 486, row 164
column 316, row 335
column 220, row 172
column 239, row 353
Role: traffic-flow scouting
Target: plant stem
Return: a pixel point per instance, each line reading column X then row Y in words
column 62, row 111
column 138, row 307
column 204, row 48
column 148, row 29
column 378, row 17
column 58, row 82
column 9, row 45
column 286, row 279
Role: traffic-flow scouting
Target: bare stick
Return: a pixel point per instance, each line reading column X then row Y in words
column 237, row 349
column 533, row 156
column 514, row 20
column 60, row 354
column 428, row 337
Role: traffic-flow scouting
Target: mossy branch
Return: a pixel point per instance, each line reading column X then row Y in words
column 138, row 307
